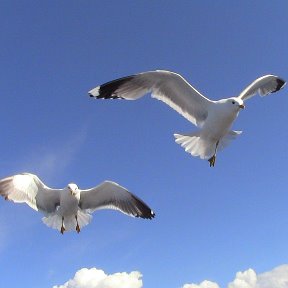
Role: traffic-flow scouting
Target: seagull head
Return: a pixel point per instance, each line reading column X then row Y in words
column 73, row 188
column 236, row 102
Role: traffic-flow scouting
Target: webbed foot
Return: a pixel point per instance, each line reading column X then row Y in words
column 62, row 226
column 77, row 226
column 212, row 161
column 62, row 229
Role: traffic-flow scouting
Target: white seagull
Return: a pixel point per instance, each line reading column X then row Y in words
column 215, row 118
column 71, row 208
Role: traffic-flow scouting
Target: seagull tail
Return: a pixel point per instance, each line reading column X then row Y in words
column 197, row 145
column 55, row 221
column 192, row 143
column 84, row 218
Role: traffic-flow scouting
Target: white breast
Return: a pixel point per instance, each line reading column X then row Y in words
column 219, row 121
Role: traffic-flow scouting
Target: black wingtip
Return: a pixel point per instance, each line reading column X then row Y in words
column 108, row 90
column 280, row 84
column 105, row 96
column 144, row 211
column 149, row 216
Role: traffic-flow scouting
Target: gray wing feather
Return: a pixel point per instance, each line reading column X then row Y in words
column 169, row 87
column 110, row 195
column 263, row 86
column 28, row 188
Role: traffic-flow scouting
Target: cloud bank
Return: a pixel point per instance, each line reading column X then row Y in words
column 204, row 284
column 276, row 278
column 95, row 278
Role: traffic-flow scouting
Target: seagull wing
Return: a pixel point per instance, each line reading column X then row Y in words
column 110, row 195
column 169, row 87
column 263, row 86
column 28, row 188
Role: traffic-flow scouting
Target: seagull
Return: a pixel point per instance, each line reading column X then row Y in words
column 71, row 208
column 213, row 118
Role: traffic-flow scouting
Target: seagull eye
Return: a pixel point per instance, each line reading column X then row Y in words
column 233, row 102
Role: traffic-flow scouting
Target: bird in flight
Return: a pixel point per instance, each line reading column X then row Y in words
column 71, row 208
column 213, row 118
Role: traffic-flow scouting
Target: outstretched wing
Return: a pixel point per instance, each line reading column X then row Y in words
column 110, row 195
column 28, row 188
column 169, row 87
column 263, row 86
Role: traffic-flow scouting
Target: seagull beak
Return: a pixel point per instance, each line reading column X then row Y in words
column 242, row 106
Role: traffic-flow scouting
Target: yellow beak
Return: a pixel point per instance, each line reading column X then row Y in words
column 242, row 106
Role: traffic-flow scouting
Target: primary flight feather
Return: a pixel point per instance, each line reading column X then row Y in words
column 71, row 208
column 214, row 118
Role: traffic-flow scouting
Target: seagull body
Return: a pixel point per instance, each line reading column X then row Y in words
column 214, row 118
column 71, row 208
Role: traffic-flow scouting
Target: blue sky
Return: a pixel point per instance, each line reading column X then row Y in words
column 210, row 223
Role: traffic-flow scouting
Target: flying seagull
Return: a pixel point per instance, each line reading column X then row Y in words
column 71, row 208
column 214, row 118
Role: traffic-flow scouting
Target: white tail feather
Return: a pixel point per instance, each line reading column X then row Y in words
column 55, row 221
column 84, row 218
column 197, row 146
column 193, row 144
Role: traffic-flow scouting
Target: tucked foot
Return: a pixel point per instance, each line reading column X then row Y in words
column 62, row 229
column 78, row 228
column 77, row 224
column 62, row 226
column 212, row 161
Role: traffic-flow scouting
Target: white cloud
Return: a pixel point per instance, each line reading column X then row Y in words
column 95, row 278
column 204, row 284
column 276, row 278
column 246, row 279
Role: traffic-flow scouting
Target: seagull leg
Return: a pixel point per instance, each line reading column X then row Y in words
column 212, row 160
column 62, row 226
column 77, row 226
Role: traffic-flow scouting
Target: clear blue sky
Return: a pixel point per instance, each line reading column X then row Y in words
column 210, row 223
